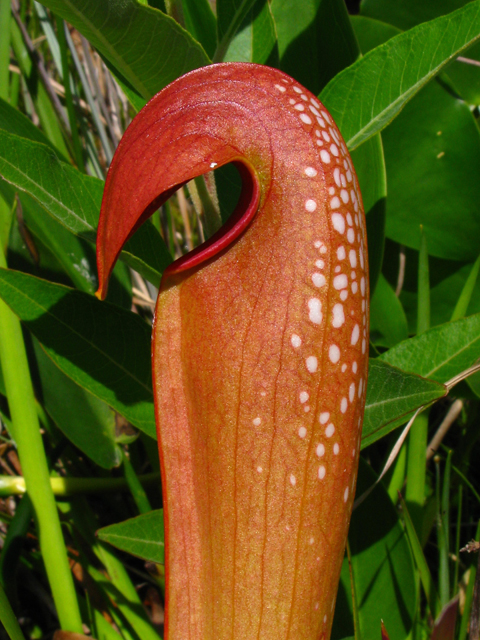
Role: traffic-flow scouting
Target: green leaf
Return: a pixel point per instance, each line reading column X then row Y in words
column 433, row 146
column 408, row 13
column 142, row 536
column 392, row 396
column 364, row 98
column 103, row 348
column 382, row 568
column 146, row 47
column 467, row 292
column 13, row 121
column 388, row 323
column 230, row 16
column 201, row 22
column 74, row 199
column 422, row 566
column 256, row 39
column 84, row 419
column 315, row 40
column 440, row 353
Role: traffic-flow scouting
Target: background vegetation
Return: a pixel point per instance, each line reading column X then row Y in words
column 76, row 408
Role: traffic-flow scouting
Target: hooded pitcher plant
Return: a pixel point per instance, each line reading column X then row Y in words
column 259, row 351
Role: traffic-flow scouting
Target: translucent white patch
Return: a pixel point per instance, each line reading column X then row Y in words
column 355, row 335
column 334, row 353
column 352, row 256
column 345, row 495
column 349, row 175
column 295, row 340
column 319, row 263
column 340, row 281
column 335, row 203
column 323, row 418
column 299, row 107
column 343, row 405
column 318, row 279
column 325, row 156
column 334, row 150
column 320, row 450
column 364, row 345
column 330, row 430
column 354, row 287
column 344, row 182
column 297, row 90
column 331, row 191
column 362, row 286
column 311, row 172
column 314, row 111
column 349, row 218
column 351, row 235
column 327, row 117
column 353, row 275
column 303, row 396
column 293, row 480
column 321, row 472
column 315, row 310
column 341, row 253
column 280, row 88
column 304, row 97
column 257, row 421
column 325, row 136
column 338, row 222
column 321, row 122
column 310, row 205
column 344, row 367
column 213, row 165
column 345, row 198
column 312, row 364
column 306, row 119
column 336, row 448
column 360, row 387
column 351, row 392
column 302, row 432
column 354, row 366
column 259, row 469
column 338, row 315
column 343, row 295
column 336, row 177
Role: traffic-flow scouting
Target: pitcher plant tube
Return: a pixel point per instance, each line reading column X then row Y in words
column 259, row 351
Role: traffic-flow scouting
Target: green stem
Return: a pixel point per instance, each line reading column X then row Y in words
column 416, row 470
column 26, row 433
column 65, row 487
column 423, row 311
column 462, row 634
column 135, row 486
column 8, row 619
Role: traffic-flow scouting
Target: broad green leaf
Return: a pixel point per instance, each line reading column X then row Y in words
column 142, row 536
column 440, row 353
column 146, row 47
column 388, row 323
column 382, row 568
column 392, row 396
column 74, row 199
column 408, row 13
column 84, row 419
column 256, row 40
column 201, row 23
column 102, row 347
column 434, row 147
column 230, row 17
column 364, row 98
column 315, row 40
column 13, row 121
